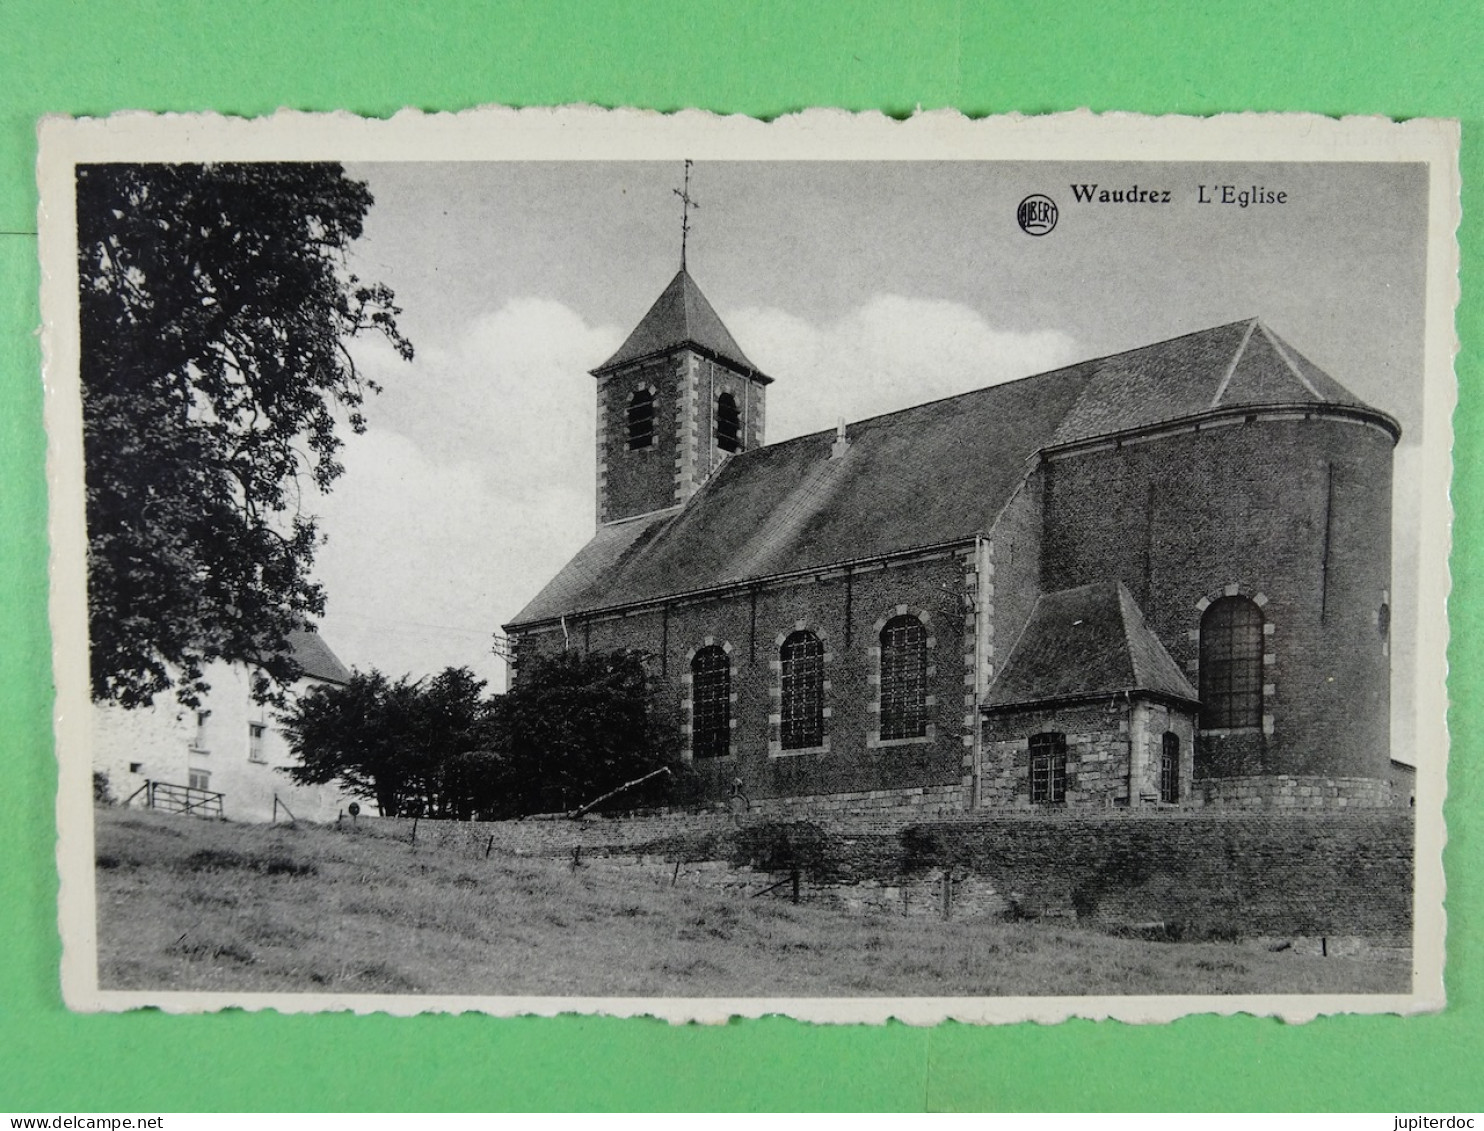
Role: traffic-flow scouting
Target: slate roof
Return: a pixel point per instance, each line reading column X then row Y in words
column 315, row 657
column 1086, row 642
column 681, row 316
column 1241, row 364
column 931, row 475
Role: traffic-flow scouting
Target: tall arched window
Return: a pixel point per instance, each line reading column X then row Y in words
column 711, row 703
column 641, row 419
column 904, row 678
column 1231, row 664
column 802, row 704
column 728, row 424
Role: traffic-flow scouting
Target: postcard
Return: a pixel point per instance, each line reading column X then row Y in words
column 550, row 560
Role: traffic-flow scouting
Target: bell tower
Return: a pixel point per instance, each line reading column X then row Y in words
column 677, row 399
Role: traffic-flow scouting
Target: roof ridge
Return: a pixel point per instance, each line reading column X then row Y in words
column 1252, row 324
column 1278, row 345
column 996, row 385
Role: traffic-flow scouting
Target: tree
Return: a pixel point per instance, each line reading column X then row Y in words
column 215, row 307
column 574, row 726
column 411, row 747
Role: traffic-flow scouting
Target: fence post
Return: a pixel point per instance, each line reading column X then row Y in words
column 414, row 831
column 795, row 879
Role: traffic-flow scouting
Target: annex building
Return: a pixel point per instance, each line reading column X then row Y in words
column 1156, row 578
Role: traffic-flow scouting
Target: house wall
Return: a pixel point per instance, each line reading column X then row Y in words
column 1293, row 512
column 846, row 610
column 165, row 744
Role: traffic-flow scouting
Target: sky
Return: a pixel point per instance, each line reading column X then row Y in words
column 861, row 288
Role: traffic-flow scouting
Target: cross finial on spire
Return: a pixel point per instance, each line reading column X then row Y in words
column 686, row 204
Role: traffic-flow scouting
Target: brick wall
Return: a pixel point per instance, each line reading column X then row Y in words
column 642, row 480
column 1296, row 510
column 845, row 610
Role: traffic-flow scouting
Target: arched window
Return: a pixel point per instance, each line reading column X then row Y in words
column 641, row 419
column 802, row 704
column 1169, row 769
column 904, row 678
column 711, row 703
column 728, row 424
column 1048, row 768
column 1231, row 664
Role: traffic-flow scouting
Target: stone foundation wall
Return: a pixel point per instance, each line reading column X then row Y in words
column 1199, row 873
column 913, row 804
column 1286, row 791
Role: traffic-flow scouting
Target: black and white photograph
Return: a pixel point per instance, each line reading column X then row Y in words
column 588, row 560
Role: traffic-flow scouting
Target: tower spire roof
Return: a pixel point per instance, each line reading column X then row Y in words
column 682, row 317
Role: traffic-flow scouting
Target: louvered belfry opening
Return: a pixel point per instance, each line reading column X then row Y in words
column 728, row 424
column 641, row 419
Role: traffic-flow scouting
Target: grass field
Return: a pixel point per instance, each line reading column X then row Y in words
column 185, row 903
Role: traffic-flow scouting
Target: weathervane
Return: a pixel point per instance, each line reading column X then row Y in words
column 686, row 204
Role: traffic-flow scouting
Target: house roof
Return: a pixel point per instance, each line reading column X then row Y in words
column 930, row 475
column 314, row 656
column 681, row 316
column 1086, row 642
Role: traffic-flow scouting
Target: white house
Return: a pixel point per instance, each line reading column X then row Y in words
column 230, row 745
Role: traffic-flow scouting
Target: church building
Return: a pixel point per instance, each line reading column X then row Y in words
column 1157, row 578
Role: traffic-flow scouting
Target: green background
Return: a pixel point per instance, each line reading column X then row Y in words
column 1396, row 59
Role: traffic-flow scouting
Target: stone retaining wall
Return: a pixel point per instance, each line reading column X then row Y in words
column 1200, row 873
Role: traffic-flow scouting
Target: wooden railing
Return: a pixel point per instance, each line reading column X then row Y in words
column 179, row 798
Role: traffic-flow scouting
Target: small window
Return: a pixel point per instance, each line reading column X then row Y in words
column 728, row 424
column 1231, row 664
column 711, row 703
column 198, row 740
column 1048, row 768
column 1169, row 769
column 255, row 733
column 904, row 678
column 641, row 419
column 803, row 692
column 199, row 779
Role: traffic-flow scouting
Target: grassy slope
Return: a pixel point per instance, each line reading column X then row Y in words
column 195, row 904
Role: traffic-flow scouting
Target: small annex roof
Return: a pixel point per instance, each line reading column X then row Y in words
column 932, row 475
column 681, row 316
column 315, row 657
column 1086, row 643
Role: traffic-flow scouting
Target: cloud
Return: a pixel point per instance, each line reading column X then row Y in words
column 475, row 481
column 472, row 486
column 891, row 353
column 425, row 558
